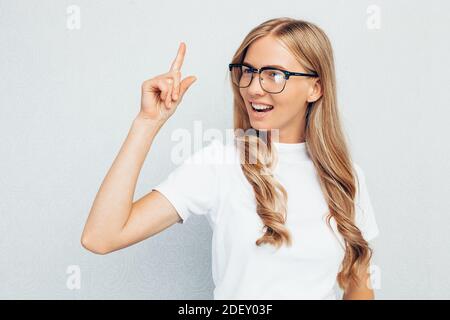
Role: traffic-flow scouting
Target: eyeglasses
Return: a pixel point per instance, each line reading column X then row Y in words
column 271, row 79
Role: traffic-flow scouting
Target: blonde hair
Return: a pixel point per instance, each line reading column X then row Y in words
column 325, row 143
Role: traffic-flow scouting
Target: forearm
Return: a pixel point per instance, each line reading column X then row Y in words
column 362, row 290
column 113, row 202
column 359, row 295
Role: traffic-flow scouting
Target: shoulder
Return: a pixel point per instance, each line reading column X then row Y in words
column 357, row 168
column 365, row 216
column 359, row 173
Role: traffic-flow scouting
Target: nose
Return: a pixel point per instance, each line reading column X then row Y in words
column 255, row 87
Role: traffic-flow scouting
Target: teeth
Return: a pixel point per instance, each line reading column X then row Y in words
column 261, row 106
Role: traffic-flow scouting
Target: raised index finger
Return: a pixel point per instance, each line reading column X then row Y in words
column 178, row 62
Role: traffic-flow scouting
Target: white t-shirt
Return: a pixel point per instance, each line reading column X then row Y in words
column 210, row 182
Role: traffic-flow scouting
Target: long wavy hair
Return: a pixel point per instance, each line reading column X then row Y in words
column 325, row 143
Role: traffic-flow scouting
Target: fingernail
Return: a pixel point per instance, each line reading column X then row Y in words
column 175, row 96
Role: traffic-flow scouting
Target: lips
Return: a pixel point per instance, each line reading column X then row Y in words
column 260, row 106
column 259, row 102
column 260, row 115
column 262, row 110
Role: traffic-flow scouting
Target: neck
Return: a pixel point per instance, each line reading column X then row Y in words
column 286, row 137
column 283, row 136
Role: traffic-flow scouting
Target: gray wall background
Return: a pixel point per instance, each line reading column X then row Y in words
column 68, row 97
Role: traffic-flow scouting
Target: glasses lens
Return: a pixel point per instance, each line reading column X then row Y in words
column 241, row 76
column 272, row 80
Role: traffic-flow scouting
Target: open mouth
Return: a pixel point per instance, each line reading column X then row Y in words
column 261, row 107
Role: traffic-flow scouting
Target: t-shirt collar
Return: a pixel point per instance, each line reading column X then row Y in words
column 292, row 152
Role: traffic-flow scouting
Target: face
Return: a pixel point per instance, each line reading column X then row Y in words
column 289, row 106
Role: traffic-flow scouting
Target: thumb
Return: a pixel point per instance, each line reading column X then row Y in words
column 186, row 83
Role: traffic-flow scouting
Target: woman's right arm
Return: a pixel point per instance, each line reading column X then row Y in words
column 114, row 221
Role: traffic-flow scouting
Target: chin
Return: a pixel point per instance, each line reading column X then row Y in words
column 260, row 125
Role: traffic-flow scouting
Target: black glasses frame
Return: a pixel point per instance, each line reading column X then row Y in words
column 287, row 74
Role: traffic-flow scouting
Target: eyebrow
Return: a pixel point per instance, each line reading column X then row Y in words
column 272, row 65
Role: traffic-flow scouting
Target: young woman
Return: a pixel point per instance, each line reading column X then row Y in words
column 291, row 224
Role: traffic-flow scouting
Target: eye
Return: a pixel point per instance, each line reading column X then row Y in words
column 246, row 70
column 275, row 75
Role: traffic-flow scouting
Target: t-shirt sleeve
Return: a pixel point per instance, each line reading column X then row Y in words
column 364, row 213
column 192, row 187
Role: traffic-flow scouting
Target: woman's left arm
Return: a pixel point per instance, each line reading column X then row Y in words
column 361, row 290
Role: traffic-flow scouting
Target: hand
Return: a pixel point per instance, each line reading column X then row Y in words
column 162, row 94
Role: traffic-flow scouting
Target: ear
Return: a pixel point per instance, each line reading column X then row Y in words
column 315, row 91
